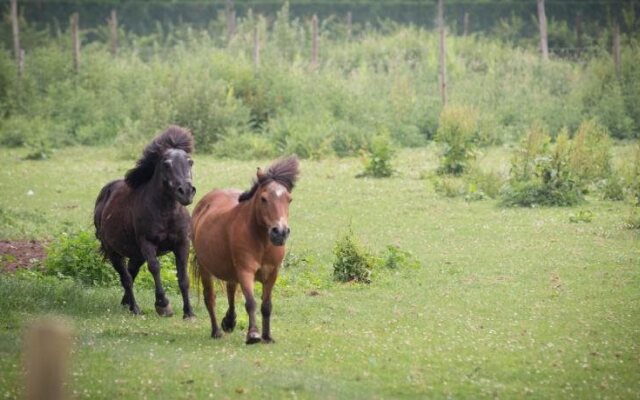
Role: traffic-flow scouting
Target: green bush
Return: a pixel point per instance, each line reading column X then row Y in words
column 541, row 175
column 76, row 256
column 590, row 155
column 352, row 262
column 397, row 258
column 457, row 132
column 377, row 159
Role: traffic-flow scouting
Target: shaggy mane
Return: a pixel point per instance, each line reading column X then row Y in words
column 174, row 137
column 284, row 171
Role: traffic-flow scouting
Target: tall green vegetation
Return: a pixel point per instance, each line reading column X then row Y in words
column 385, row 81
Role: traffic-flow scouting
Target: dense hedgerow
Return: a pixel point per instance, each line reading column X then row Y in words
column 386, row 80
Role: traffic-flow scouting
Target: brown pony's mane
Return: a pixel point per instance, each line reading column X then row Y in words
column 284, row 171
column 174, row 137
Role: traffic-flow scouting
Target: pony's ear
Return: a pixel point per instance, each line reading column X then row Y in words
column 261, row 175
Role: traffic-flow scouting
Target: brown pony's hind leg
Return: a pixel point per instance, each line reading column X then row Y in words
column 210, row 303
column 229, row 320
column 127, row 283
column 246, row 283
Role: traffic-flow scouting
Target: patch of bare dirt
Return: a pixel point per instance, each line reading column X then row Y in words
column 20, row 254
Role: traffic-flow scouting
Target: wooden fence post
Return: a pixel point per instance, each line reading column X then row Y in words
column 47, row 347
column 314, row 42
column 15, row 27
column 542, row 21
column 256, row 47
column 349, row 24
column 231, row 20
column 616, row 49
column 113, row 28
column 75, row 40
column 465, row 24
column 442, row 68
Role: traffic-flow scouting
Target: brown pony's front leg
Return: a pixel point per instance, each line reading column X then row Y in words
column 163, row 308
column 182, row 255
column 246, row 283
column 229, row 320
column 265, row 309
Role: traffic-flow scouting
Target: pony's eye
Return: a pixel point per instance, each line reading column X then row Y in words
column 190, row 162
column 264, row 200
column 167, row 163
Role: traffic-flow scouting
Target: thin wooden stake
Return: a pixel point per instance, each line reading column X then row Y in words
column 231, row 20
column 15, row 27
column 542, row 21
column 47, row 347
column 256, row 47
column 75, row 40
column 465, row 24
column 442, row 54
column 314, row 42
column 616, row 49
column 349, row 24
column 113, row 27
column 21, row 63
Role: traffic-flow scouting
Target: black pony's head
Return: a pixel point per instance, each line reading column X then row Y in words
column 168, row 158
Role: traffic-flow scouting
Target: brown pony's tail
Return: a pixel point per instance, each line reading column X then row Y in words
column 196, row 274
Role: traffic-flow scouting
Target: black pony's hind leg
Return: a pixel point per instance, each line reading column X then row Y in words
column 127, row 282
column 133, row 268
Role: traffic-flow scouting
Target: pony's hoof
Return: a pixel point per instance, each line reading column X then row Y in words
column 228, row 325
column 268, row 340
column 253, row 337
column 189, row 317
column 125, row 301
column 135, row 310
column 216, row 334
column 165, row 311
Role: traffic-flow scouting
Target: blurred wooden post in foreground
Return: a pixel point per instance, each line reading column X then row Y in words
column 542, row 21
column 349, row 24
column 314, row 42
column 230, row 12
column 46, row 351
column 616, row 49
column 75, row 40
column 113, row 28
column 442, row 68
column 256, row 47
column 15, row 27
column 465, row 24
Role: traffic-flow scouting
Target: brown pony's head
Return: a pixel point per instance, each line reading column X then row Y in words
column 271, row 194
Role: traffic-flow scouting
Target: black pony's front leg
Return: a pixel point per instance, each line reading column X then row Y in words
column 149, row 251
column 182, row 256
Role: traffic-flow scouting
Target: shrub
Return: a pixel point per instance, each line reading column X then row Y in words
column 352, row 262
column 590, row 157
column 457, row 131
column 541, row 174
column 76, row 256
column 377, row 159
column 397, row 258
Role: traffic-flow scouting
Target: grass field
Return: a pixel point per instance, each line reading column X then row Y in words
column 507, row 303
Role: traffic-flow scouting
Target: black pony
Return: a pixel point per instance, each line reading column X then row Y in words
column 144, row 216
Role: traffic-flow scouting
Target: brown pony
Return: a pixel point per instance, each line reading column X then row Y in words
column 144, row 215
column 239, row 238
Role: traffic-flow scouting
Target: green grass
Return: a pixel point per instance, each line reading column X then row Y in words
column 507, row 303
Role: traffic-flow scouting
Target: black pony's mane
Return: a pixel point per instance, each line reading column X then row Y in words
column 284, row 171
column 174, row 137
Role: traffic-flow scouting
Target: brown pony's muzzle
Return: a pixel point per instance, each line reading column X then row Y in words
column 279, row 235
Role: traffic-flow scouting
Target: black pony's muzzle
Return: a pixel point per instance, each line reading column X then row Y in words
column 185, row 193
column 278, row 235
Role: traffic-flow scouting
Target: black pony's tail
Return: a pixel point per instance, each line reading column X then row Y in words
column 101, row 201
